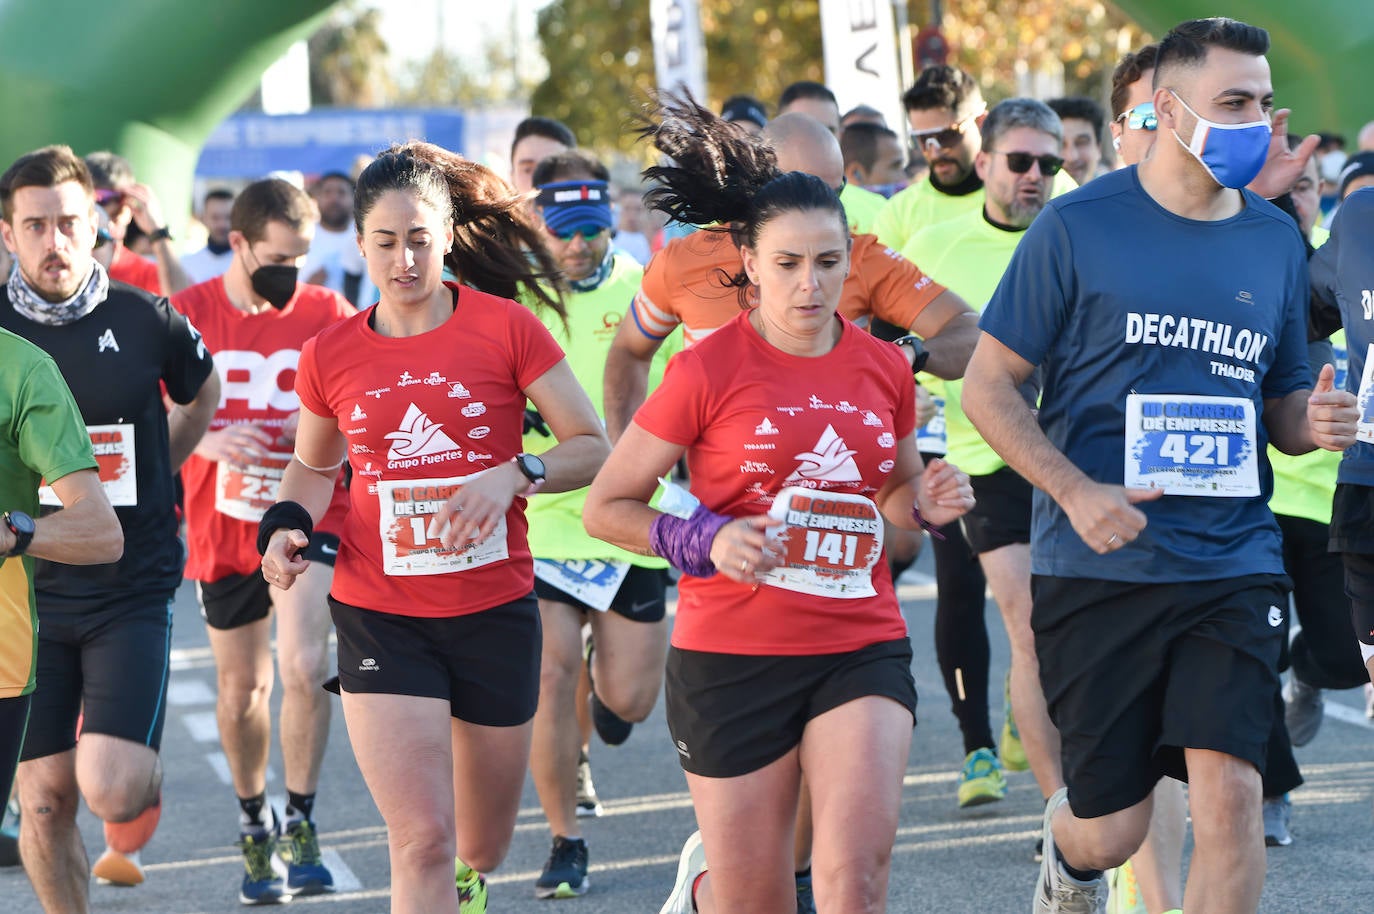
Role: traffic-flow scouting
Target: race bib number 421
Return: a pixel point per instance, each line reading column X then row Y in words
column 830, row 543
column 1192, row 445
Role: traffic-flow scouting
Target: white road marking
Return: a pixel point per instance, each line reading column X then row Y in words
column 203, row 726
column 345, row 880
column 190, row 692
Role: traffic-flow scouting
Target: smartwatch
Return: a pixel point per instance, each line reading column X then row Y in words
column 918, row 346
column 22, row 526
column 160, row 234
column 533, row 469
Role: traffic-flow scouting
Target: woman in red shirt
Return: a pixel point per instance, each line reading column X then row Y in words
column 790, row 653
column 424, row 394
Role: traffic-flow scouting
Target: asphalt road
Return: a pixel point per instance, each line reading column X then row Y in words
column 945, row 860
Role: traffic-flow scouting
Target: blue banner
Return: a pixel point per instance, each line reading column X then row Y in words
column 250, row 145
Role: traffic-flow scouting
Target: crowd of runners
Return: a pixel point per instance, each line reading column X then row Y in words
column 1114, row 365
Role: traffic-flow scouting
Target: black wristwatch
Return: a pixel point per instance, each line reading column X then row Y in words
column 22, row 526
column 533, row 469
column 160, row 234
column 919, row 347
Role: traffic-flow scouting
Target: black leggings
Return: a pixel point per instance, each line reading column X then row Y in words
column 1325, row 653
column 14, row 718
column 961, row 635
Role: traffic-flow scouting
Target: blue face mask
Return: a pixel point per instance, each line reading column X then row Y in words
column 1233, row 154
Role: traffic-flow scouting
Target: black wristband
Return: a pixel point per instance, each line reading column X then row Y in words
column 160, row 234
column 284, row 515
column 918, row 346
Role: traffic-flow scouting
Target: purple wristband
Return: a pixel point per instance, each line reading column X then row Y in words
column 925, row 524
column 686, row 543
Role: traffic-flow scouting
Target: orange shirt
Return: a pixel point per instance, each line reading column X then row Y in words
column 128, row 267
column 686, row 283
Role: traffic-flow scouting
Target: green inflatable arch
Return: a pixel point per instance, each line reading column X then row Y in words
column 149, row 79
column 1322, row 52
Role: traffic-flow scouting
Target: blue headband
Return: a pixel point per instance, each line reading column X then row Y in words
column 566, row 205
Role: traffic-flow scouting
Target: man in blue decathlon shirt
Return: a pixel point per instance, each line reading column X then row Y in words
column 1166, row 308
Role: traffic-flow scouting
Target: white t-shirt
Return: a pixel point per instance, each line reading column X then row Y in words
column 337, row 253
column 206, row 264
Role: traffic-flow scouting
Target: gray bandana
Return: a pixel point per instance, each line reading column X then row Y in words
column 55, row 314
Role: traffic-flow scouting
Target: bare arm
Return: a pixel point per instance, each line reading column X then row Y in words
column 149, row 217
column 186, row 423
column 170, row 273
column 308, row 481
column 626, row 379
column 84, row 532
column 949, row 329
column 617, row 507
column 940, row 490
column 1306, row 420
column 1103, row 515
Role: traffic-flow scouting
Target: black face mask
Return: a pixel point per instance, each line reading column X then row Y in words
column 276, row 283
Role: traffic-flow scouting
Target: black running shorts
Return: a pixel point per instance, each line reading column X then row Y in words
column 237, row 600
column 485, row 664
column 1001, row 514
column 642, row 596
column 730, row 714
column 1135, row 673
column 105, row 663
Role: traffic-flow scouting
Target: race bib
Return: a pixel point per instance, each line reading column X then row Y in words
column 1365, row 430
column 830, row 543
column 1192, row 445
column 592, row 581
column 115, row 462
column 930, row 438
column 410, row 540
column 246, row 490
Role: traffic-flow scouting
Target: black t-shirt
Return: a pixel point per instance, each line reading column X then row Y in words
column 113, row 360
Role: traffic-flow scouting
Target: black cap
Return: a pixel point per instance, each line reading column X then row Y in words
column 1357, row 166
column 744, row 108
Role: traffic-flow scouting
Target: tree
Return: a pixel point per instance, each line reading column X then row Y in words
column 349, row 61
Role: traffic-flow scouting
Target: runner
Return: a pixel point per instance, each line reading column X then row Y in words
column 424, row 394
column 130, row 203
column 781, row 664
column 255, row 319
column 1180, row 684
column 578, row 579
column 106, row 630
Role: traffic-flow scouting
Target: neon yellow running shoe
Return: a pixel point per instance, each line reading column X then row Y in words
column 472, row 889
column 1123, row 891
column 1013, row 754
column 981, row 780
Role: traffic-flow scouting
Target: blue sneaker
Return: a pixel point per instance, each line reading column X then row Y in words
column 299, row 850
column 261, row 883
column 806, row 900
column 981, row 780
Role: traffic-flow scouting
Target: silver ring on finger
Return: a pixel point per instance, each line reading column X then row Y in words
column 744, row 566
column 1111, row 540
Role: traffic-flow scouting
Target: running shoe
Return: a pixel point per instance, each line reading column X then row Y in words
column 565, row 872
column 115, row 868
column 472, row 888
column 690, row 864
column 1303, row 709
column 261, row 883
column 611, row 727
column 981, row 780
column 1056, row 892
column 588, row 806
column 1012, row 752
column 1278, row 812
column 1039, row 853
column 9, row 834
column 806, row 899
column 1369, row 700
column 1123, row 891
column 299, row 852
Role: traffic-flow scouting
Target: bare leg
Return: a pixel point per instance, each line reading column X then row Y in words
column 1159, row 862
column 243, row 670
column 554, row 750
column 303, row 655
column 1227, row 870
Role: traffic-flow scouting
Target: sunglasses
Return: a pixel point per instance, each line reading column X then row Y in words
column 104, row 197
column 1020, row 162
column 588, row 233
column 1140, row 117
column 945, row 137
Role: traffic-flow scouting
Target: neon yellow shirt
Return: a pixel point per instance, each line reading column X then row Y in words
column 861, row 207
column 921, row 205
column 1305, row 485
column 556, row 518
column 967, row 255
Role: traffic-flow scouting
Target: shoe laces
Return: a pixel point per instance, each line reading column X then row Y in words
column 472, row 889
column 1077, row 899
column 303, row 843
column 257, row 858
column 567, row 853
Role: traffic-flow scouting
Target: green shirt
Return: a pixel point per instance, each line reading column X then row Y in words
column 42, row 437
column 861, row 208
column 921, row 205
column 555, row 519
column 967, row 255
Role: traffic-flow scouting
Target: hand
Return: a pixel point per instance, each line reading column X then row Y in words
column 282, row 562
column 288, row 430
column 943, row 493
column 925, row 407
column 535, row 423
column 1284, row 166
column 473, row 512
column 741, row 550
column 235, row 443
column 1104, row 516
column 1333, row 416
column 146, row 208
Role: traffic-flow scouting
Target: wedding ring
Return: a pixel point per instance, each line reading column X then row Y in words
column 1112, row 539
column 744, row 566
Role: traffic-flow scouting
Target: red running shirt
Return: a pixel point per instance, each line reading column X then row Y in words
column 755, row 420
column 128, row 267
column 420, row 414
column 256, row 357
